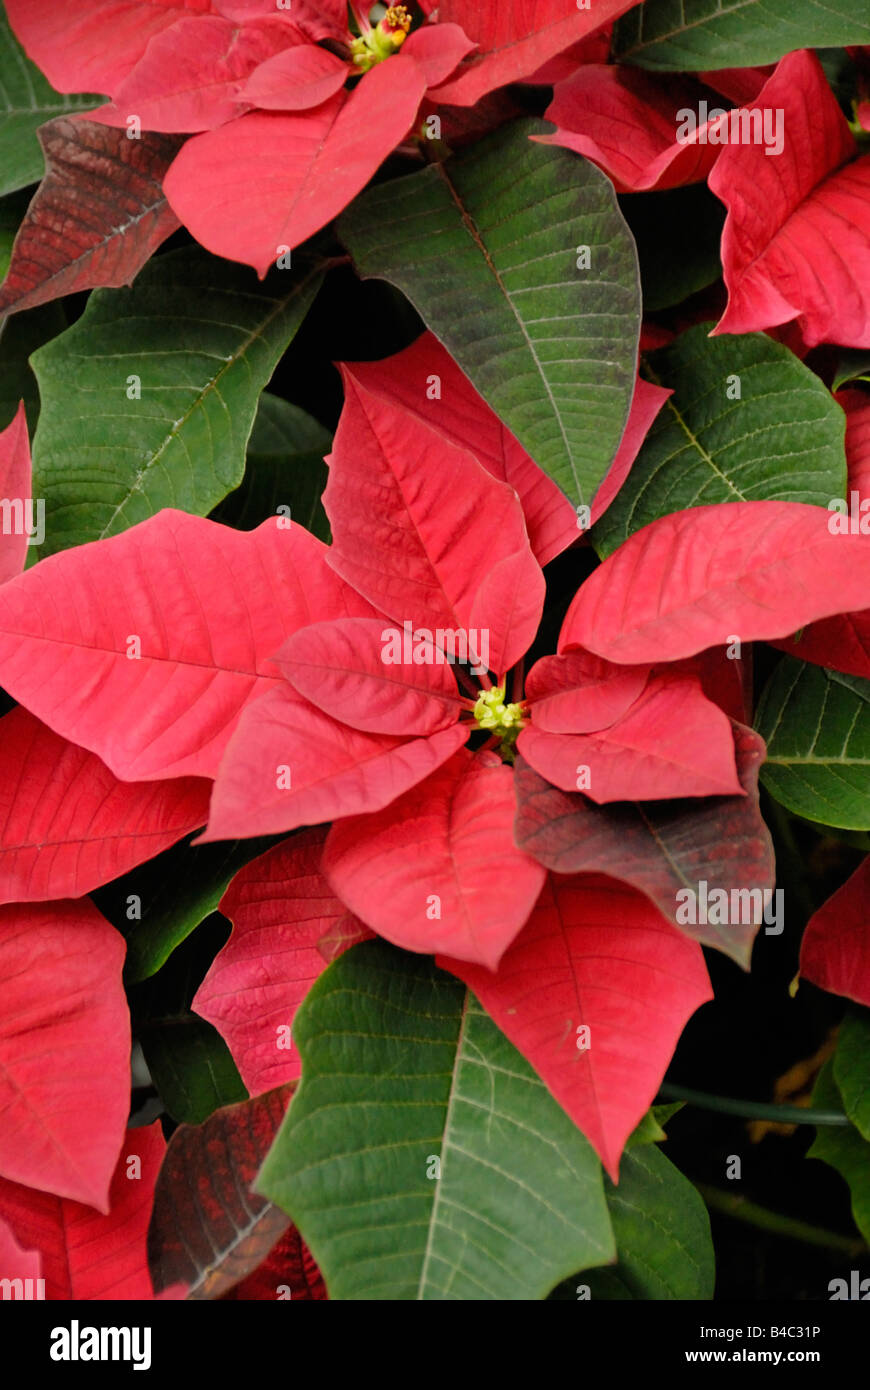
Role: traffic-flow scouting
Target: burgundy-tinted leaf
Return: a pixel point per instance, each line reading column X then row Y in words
column 289, row 1271
column 208, row 1229
column 97, row 216
column 659, row 847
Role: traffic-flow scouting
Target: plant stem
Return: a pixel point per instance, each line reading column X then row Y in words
column 753, row 1109
column 518, row 678
column 733, row 1205
column 467, row 684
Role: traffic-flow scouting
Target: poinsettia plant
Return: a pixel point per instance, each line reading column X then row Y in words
column 434, row 649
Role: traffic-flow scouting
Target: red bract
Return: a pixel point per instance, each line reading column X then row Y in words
column 257, row 187
column 796, row 243
column 438, row 870
column 671, row 741
column 93, row 47
column 454, row 725
column 757, row 570
column 192, row 75
column 69, row 825
column 843, row 642
column 627, row 121
column 15, row 478
column 439, row 546
column 579, row 693
column 426, row 535
column 16, row 1262
column 152, row 677
column 515, row 40
column 856, row 404
column 725, row 679
column 593, row 49
column 425, row 380
column 287, row 927
column 284, row 146
column 64, row 1050
column 418, row 528
column 595, row 992
column 322, row 768
column 87, row 1254
column 339, row 667
column 646, row 403
column 835, row 951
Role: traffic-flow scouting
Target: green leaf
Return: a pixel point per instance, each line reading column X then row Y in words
column 782, row 439
column 678, row 232
column 709, row 34
column 189, row 1061
column 177, row 890
column 191, row 1066
column 283, row 428
column 663, row 1241
column 485, row 246
column 852, row 1068
column 285, row 468
column 816, row 724
column 26, row 102
column 12, row 212
column 841, row 71
column 662, row 1231
column 21, row 335
column 198, row 339
column 844, row 1149
column 651, row 1128
column 402, row 1068
column 608, row 1285
column 853, row 365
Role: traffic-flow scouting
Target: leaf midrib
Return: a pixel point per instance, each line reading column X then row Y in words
column 475, row 234
column 445, row 1144
column 257, row 332
column 694, row 441
column 644, row 44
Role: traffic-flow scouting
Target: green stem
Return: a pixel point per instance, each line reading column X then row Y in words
column 753, row 1109
column 733, row 1205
